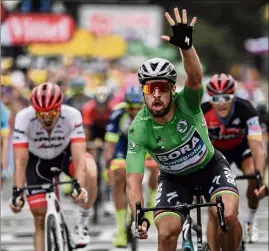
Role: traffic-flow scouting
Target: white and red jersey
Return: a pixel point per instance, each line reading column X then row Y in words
column 28, row 132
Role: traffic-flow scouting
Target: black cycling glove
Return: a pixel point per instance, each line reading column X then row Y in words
column 17, row 195
column 140, row 222
column 182, row 36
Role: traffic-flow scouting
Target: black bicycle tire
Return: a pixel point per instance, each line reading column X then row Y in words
column 51, row 227
column 205, row 247
column 131, row 240
column 133, row 244
column 242, row 246
column 66, row 235
column 97, row 202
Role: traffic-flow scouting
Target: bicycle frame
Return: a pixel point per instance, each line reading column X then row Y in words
column 188, row 222
column 53, row 208
column 189, row 225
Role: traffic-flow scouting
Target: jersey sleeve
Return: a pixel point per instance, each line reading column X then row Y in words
column 136, row 150
column 4, row 120
column 87, row 114
column 193, row 98
column 112, row 128
column 20, row 135
column 77, row 133
column 252, row 123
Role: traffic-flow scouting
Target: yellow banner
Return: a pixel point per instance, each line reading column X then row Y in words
column 84, row 43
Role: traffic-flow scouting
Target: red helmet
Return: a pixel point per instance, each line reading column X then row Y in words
column 46, row 97
column 221, row 84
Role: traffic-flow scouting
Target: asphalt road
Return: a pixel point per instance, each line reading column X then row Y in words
column 17, row 230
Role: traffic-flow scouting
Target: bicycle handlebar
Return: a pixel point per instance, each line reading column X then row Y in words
column 48, row 186
column 257, row 176
column 184, row 208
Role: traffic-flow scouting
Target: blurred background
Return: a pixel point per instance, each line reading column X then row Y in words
column 84, row 44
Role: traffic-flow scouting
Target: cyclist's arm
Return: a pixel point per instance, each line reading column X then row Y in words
column 20, row 149
column 112, row 136
column 4, row 151
column 78, row 148
column 135, row 167
column 193, row 69
column 87, row 115
column 4, row 136
column 193, row 90
column 255, row 143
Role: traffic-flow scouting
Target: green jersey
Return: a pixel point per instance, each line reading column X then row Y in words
column 180, row 147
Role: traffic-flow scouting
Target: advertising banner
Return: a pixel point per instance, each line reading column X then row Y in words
column 132, row 22
column 23, row 29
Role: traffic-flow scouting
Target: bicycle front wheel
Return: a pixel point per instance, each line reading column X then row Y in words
column 52, row 238
column 66, row 238
column 131, row 239
column 205, row 247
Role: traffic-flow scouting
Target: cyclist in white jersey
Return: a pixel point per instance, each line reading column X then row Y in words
column 49, row 134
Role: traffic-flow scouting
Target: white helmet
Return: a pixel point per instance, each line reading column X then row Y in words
column 157, row 68
column 102, row 95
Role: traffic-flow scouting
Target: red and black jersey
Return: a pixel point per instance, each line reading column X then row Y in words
column 243, row 123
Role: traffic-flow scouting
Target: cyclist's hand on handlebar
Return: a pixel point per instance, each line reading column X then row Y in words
column 142, row 231
column 16, row 203
column 80, row 197
column 262, row 192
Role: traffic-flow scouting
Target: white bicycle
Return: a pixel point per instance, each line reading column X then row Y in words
column 57, row 234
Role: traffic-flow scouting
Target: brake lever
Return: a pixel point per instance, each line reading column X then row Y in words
column 139, row 213
column 258, row 179
column 76, row 186
column 220, row 212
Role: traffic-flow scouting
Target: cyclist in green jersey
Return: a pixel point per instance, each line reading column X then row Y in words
column 172, row 129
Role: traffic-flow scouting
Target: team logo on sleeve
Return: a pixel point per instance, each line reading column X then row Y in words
column 131, row 131
column 132, row 145
column 182, row 126
column 203, row 122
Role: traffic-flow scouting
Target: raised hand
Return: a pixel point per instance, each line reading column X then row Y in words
column 182, row 32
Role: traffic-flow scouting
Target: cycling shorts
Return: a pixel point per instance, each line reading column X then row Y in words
column 238, row 154
column 215, row 178
column 38, row 172
column 97, row 132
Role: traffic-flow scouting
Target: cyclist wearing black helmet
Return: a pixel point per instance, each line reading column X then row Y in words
column 172, row 129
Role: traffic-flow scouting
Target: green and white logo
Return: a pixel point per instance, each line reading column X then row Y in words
column 203, row 122
column 182, row 126
column 132, row 145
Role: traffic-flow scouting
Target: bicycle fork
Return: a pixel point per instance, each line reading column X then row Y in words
column 186, row 234
column 188, row 225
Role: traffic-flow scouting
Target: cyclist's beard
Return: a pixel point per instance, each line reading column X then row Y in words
column 164, row 111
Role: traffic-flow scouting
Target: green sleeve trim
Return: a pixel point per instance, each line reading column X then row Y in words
column 112, row 137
